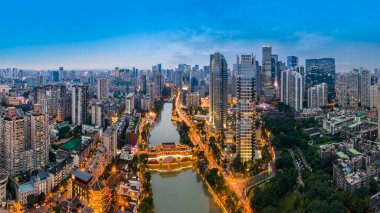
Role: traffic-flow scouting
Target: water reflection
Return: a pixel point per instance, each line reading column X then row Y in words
column 181, row 190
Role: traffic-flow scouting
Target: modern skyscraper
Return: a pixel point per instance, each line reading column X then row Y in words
column 218, row 92
column 245, row 125
column 79, row 106
column 103, row 87
column 266, row 70
column 292, row 61
column 321, row 71
column 317, row 96
column 291, row 89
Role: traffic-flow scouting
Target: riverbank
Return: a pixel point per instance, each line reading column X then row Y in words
column 178, row 188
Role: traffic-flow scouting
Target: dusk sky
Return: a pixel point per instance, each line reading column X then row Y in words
column 84, row 34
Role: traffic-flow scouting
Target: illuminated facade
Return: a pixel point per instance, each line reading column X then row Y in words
column 245, row 130
column 218, row 93
column 99, row 197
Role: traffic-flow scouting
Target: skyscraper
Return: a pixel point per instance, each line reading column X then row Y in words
column 291, row 89
column 218, row 92
column 245, row 128
column 321, row 71
column 266, row 70
column 292, row 61
column 79, row 106
column 103, row 86
column 38, row 130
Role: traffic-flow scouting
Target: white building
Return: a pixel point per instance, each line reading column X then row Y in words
column 292, row 89
column 317, row 96
column 245, row 127
column 130, row 103
column 96, row 114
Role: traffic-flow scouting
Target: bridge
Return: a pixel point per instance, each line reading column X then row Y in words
column 168, row 153
column 257, row 180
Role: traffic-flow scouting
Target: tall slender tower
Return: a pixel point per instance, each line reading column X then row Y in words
column 245, row 127
column 38, row 122
column 218, row 92
column 79, row 111
column 266, row 69
column 103, row 86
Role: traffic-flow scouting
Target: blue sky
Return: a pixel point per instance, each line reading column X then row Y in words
column 86, row 34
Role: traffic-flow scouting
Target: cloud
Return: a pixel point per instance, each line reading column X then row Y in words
column 310, row 41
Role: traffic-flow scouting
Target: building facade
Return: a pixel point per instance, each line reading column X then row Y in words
column 218, row 92
column 317, row 96
column 245, row 126
column 291, row 89
column 79, row 106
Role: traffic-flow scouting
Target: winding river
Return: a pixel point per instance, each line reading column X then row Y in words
column 177, row 191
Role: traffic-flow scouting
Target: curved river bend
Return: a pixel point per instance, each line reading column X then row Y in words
column 177, row 191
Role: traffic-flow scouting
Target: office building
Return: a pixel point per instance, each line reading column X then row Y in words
column 291, row 89
column 103, row 86
column 266, row 70
column 218, row 92
column 245, row 128
column 79, row 104
column 321, row 71
column 292, row 61
column 317, row 96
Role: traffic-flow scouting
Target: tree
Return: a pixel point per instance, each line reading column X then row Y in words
column 266, row 155
column 360, row 202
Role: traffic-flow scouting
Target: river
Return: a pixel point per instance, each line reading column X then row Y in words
column 177, row 191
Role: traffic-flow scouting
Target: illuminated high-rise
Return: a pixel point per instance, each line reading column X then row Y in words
column 245, row 128
column 218, row 92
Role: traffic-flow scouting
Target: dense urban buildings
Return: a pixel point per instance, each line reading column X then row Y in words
column 245, row 127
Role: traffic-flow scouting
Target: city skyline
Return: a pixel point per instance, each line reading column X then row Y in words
column 73, row 35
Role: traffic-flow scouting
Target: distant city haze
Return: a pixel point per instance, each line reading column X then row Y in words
column 101, row 35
